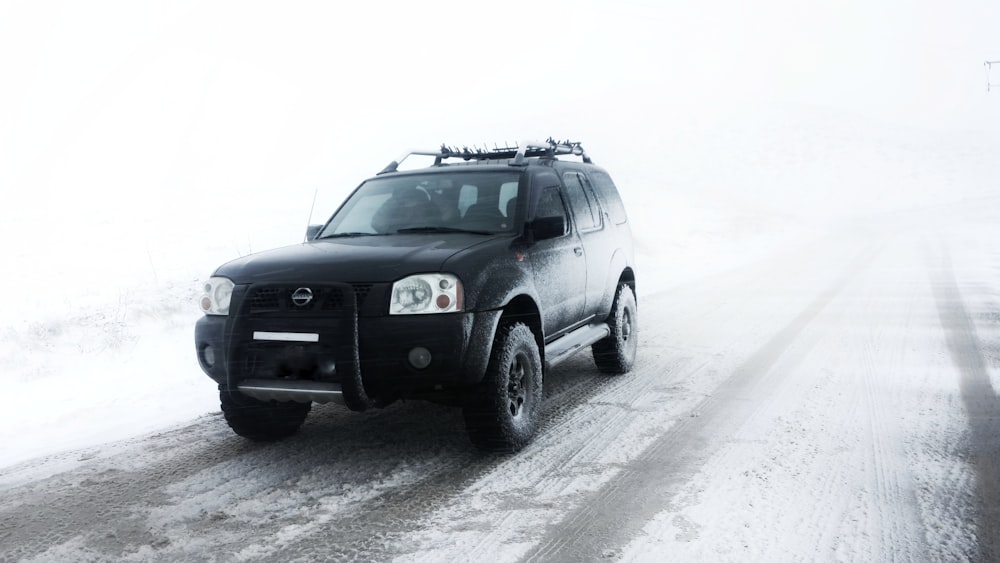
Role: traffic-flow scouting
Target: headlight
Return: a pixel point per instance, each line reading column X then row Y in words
column 218, row 292
column 426, row 293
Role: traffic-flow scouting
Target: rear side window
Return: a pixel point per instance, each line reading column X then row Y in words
column 585, row 210
column 608, row 193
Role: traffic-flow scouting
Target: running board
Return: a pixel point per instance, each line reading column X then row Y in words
column 301, row 391
column 562, row 348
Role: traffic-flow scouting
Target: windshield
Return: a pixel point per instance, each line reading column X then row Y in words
column 466, row 201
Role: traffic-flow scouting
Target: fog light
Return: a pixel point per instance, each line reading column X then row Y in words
column 327, row 368
column 208, row 355
column 419, row 357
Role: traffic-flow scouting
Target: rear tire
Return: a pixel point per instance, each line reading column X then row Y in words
column 616, row 353
column 261, row 421
column 502, row 416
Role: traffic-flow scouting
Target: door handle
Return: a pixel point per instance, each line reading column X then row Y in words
column 578, row 251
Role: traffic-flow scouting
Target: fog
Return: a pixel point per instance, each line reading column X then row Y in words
column 143, row 144
column 189, row 110
column 806, row 403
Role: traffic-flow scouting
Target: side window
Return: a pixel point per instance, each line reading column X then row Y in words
column 545, row 199
column 585, row 209
column 609, row 195
column 550, row 203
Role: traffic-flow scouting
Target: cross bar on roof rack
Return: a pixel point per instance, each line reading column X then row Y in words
column 548, row 149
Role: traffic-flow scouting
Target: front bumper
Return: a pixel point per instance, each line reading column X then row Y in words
column 242, row 347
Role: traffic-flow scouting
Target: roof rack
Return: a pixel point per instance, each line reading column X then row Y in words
column 547, row 149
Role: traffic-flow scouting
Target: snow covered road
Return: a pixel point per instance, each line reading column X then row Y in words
column 832, row 402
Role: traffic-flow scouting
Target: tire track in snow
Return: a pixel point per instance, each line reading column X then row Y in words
column 897, row 519
column 980, row 399
column 624, row 505
column 895, row 501
column 518, row 487
column 88, row 501
column 200, row 490
column 884, row 504
column 368, row 530
column 853, row 450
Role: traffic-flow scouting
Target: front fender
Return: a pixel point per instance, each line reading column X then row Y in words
column 491, row 284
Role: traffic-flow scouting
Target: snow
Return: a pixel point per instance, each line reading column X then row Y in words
column 119, row 200
column 753, row 488
column 114, row 360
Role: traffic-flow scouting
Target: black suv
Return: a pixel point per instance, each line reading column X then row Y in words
column 461, row 283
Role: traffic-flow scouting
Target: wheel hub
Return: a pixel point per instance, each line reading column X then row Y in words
column 516, row 393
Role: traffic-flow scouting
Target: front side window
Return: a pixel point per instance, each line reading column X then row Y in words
column 550, row 203
column 461, row 201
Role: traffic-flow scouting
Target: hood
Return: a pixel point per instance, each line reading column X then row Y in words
column 383, row 258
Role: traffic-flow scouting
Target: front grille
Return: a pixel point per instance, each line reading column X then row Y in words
column 328, row 300
column 334, row 301
column 265, row 298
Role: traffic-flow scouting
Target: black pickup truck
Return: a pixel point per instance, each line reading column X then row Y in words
column 461, row 283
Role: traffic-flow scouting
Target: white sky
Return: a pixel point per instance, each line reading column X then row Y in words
column 111, row 107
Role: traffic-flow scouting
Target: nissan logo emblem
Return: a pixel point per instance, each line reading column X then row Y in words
column 302, row 296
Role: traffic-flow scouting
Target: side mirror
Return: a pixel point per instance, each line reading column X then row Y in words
column 544, row 228
column 312, row 231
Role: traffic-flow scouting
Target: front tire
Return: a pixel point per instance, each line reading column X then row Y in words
column 261, row 421
column 616, row 353
column 502, row 416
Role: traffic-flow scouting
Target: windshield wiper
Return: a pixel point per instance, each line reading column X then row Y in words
column 443, row 230
column 348, row 235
